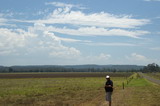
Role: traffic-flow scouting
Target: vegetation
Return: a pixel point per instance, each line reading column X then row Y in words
column 151, row 68
column 62, row 74
column 72, row 68
column 140, row 92
column 53, row 91
column 154, row 75
column 79, row 91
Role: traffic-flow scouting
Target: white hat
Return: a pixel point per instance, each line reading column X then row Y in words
column 107, row 76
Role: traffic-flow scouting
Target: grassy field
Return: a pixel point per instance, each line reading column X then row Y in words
column 80, row 91
column 154, row 75
column 61, row 75
column 140, row 92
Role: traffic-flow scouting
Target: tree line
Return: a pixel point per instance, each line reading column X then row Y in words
column 149, row 68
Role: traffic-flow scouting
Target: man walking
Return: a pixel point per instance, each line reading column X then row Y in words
column 108, row 89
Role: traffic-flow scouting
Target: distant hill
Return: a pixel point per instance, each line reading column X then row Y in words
column 71, row 68
column 117, row 67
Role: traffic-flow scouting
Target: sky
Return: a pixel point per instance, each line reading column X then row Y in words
column 76, row 32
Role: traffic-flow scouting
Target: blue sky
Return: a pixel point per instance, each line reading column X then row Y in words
column 71, row 32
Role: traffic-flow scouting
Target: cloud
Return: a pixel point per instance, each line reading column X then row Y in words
column 110, row 44
column 90, row 24
column 3, row 22
column 64, row 16
column 20, row 42
column 52, row 44
column 66, row 53
column 49, row 30
column 101, row 58
column 40, row 38
column 155, row 48
column 65, row 39
column 62, row 5
column 137, row 57
column 13, row 40
column 93, row 31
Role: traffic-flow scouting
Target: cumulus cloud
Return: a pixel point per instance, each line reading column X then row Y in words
column 103, row 56
column 40, row 37
column 34, row 41
column 137, row 57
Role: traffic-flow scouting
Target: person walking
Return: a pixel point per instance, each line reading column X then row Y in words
column 109, row 89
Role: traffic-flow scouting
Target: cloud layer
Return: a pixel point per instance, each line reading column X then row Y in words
column 73, row 22
column 42, row 36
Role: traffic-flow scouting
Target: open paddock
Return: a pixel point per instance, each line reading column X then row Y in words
column 63, row 75
column 77, row 91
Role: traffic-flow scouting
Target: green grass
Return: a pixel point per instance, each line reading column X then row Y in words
column 88, row 91
column 51, row 90
column 154, row 75
column 139, row 82
column 140, row 92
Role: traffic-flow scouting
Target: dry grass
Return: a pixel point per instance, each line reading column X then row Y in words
column 84, row 91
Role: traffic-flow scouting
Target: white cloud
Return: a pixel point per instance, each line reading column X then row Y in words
column 137, row 57
column 52, row 44
column 102, row 19
column 155, row 48
column 66, row 53
column 90, row 24
column 33, row 41
column 101, row 58
column 11, row 38
column 2, row 21
column 111, row 44
column 11, row 41
column 65, row 39
column 60, row 4
column 93, row 31
column 61, row 16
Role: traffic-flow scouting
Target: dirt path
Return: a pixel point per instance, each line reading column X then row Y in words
column 150, row 78
column 118, row 97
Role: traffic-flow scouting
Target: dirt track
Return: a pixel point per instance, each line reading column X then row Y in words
column 150, row 78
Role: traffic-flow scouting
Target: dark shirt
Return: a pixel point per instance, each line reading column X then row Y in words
column 109, row 89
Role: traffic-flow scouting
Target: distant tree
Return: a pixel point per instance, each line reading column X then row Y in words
column 10, row 69
column 151, row 68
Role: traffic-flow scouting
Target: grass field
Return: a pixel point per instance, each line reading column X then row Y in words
column 80, row 91
column 61, row 75
column 154, row 75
